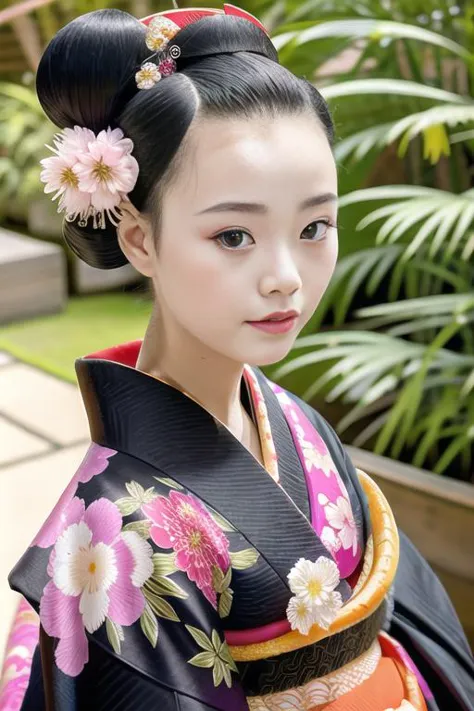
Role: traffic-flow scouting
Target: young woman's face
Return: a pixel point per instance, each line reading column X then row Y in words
column 248, row 229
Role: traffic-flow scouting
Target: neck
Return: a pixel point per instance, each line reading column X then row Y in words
column 188, row 365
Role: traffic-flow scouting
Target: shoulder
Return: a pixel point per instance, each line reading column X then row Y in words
column 30, row 573
column 108, row 556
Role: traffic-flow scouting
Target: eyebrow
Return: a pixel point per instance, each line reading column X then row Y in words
column 260, row 209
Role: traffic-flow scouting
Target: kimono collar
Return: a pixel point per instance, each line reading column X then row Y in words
column 154, row 422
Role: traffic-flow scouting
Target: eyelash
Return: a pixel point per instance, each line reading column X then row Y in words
column 218, row 238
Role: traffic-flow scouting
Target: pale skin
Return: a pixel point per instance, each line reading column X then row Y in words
column 278, row 256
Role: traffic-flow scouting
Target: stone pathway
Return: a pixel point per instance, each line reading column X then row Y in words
column 43, row 437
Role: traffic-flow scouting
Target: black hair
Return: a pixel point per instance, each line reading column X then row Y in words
column 227, row 67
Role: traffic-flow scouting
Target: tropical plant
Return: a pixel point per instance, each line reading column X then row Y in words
column 404, row 371
column 24, row 130
column 403, row 365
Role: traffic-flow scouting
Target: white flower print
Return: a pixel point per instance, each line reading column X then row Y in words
column 300, row 615
column 314, row 584
column 340, row 517
column 330, row 539
column 312, row 457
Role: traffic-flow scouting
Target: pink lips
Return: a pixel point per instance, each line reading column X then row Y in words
column 278, row 322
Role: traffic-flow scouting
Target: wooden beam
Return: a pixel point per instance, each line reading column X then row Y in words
column 21, row 9
column 27, row 35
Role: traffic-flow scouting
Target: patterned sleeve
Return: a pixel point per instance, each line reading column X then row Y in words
column 130, row 576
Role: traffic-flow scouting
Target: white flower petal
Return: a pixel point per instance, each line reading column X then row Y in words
column 327, row 572
column 142, row 555
column 313, row 583
column 338, row 513
column 93, row 608
column 75, row 537
column 325, row 614
column 348, row 537
column 101, row 567
column 300, row 615
column 330, row 539
column 299, row 575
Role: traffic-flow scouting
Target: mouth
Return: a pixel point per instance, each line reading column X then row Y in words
column 278, row 322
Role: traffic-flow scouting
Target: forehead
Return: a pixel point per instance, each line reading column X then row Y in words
column 265, row 157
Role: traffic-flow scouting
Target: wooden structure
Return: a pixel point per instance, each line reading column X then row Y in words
column 437, row 514
column 32, row 277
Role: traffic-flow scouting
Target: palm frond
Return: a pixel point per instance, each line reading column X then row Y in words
column 372, row 29
column 406, row 129
column 438, row 211
column 396, row 87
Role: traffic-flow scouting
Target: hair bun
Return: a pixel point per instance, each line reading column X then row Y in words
column 86, row 64
column 222, row 34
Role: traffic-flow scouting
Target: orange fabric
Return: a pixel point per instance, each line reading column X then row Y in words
column 413, row 692
column 383, row 690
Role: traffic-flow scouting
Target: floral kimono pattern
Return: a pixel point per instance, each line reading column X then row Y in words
column 175, row 571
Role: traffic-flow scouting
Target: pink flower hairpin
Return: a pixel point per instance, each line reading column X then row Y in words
column 91, row 175
column 160, row 32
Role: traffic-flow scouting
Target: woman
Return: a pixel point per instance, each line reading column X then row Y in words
column 216, row 548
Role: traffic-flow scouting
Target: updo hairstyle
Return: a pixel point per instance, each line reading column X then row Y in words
column 228, row 68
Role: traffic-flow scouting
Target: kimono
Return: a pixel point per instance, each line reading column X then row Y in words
column 165, row 576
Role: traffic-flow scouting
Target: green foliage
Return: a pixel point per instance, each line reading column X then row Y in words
column 24, row 130
column 402, row 370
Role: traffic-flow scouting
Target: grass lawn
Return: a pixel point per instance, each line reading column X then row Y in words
column 89, row 323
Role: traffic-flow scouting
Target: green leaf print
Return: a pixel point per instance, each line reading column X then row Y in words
column 164, row 586
column 221, row 521
column 216, row 655
column 160, row 607
column 241, row 560
column 217, row 579
column 201, row 638
column 114, row 635
column 227, row 675
column 149, row 495
column 127, row 505
column 218, row 671
column 227, row 578
column 206, row 660
column 216, row 640
column 169, row 482
column 141, row 527
column 135, row 490
column 225, row 603
column 164, row 564
column 225, row 655
column 149, row 625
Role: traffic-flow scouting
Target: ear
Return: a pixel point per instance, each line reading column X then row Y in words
column 135, row 236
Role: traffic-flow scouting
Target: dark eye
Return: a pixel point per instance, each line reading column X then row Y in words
column 234, row 239
column 316, row 231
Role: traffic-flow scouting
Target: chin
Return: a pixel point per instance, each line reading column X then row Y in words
column 270, row 355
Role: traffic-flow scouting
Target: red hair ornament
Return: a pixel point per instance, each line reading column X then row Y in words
column 164, row 26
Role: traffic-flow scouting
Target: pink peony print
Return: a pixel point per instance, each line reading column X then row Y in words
column 181, row 522
column 97, row 572
column 69, row 508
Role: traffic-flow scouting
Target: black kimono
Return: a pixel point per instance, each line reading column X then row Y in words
column 171, row 573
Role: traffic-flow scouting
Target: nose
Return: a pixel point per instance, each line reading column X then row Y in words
column 281, row 275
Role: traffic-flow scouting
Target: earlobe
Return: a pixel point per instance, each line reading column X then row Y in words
column 136, row 241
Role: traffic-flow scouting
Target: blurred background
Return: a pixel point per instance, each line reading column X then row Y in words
column 389, row 356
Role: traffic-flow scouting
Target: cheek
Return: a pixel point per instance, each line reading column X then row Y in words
column 318, row 271
column 192, row 279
